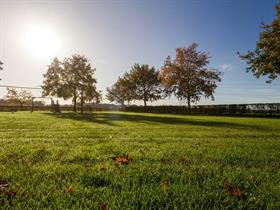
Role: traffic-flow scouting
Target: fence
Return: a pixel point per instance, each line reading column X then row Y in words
column 266, row 109
column 4, row 108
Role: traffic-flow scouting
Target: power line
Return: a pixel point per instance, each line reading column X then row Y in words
column 11, row 86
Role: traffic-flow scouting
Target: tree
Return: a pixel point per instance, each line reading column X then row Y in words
column 1, row 63
column 14, row 97
column 78, row 80
column 140, row 83
column 73, row 78
column 265, row 59
column 146, row 85
column 120, row 92
column 188, row 77
column 1, row 68
column 52, row 84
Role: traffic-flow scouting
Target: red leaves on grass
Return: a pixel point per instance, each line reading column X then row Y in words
column 10, row 193
column 69, row 189
column 101, row 206
column 232, row 191
column 122, row 159
column 6, row 188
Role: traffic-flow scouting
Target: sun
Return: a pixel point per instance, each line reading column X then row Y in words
column 41, row 41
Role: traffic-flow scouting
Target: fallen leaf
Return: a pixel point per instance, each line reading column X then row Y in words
column 10, row 193
column 122, row 159
column 231, row 190
column 235, row 192
column 227, row 186
column 69, row 189
column 101, row 206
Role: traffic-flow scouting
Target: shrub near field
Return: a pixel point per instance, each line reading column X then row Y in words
column 118, row 160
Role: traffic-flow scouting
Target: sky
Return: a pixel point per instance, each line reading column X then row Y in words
column 116, row 34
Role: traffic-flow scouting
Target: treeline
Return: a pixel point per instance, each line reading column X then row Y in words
column 265, row 109
column 16, row 97
column 38, row 107
column 187, row 76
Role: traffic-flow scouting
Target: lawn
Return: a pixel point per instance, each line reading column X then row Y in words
column 70, row 161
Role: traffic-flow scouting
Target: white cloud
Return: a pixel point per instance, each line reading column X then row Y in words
column 226, row 67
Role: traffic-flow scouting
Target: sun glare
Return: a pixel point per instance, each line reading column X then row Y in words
column 41, row 41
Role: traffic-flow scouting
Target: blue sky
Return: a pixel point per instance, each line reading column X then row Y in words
column 117, row 34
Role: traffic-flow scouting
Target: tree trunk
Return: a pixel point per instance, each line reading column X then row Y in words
column 82, row 102
column 32, row 105
column 145, row 100
column 189, row 104
column 75, row 102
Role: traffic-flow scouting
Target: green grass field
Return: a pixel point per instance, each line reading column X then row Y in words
column 64, row 161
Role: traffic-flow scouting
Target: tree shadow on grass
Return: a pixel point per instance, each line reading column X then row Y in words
column 110, row 118
column 86, row 117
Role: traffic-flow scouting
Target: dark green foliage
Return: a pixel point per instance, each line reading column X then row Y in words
column 71, row 79
column 272, row 109
column 1, row 67
column 1, row 63
column 121, row 91
column 265, row 59
column 146, row 85
column 140, row 83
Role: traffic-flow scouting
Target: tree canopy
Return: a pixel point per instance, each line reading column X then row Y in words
column 187, row 76
column 265, row 59
column 52, row 83
column 1, row 63
column 1, row 67
column 140, row 83
column 73, row 78
column 120, row 92
column 146, row 85
column 14, row 97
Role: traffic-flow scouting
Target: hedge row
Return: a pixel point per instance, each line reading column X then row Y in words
column 271, row 109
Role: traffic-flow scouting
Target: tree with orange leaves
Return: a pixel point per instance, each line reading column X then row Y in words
column 188, row 77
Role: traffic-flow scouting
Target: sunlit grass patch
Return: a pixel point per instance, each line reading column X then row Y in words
column 138, row 161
